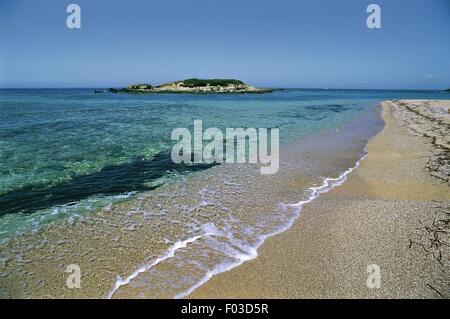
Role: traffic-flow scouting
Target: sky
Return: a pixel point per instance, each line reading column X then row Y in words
column 269, row 43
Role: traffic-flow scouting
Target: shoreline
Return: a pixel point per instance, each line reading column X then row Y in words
column 376, row 217
column 228, row 206
column 310, row 184
column 327, row 185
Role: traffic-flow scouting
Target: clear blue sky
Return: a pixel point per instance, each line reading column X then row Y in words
column 276, row 43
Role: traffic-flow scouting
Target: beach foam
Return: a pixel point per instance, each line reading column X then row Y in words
column 234, row 251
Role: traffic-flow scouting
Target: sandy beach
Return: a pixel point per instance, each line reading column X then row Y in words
column 393, row 211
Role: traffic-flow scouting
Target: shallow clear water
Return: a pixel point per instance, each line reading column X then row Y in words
column 69, row 152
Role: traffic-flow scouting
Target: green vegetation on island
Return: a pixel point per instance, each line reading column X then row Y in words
column 140, row 87
column 211, row 82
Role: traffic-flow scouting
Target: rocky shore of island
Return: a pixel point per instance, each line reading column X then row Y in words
column 195, row 86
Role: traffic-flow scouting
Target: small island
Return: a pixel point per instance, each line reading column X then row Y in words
column 196, row 86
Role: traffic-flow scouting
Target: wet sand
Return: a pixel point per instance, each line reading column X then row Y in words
column 393, row 211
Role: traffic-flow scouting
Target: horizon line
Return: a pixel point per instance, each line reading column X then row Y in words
column 282, row 88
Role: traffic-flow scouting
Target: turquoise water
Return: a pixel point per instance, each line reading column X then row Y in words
column 65, row 152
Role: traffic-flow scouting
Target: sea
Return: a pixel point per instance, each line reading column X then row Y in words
column 73, row 162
